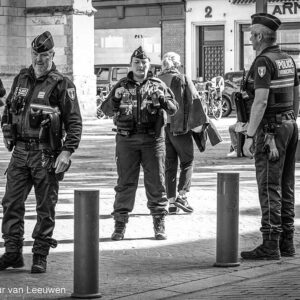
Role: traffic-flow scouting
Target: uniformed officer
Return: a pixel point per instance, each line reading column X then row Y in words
column 40, row 102
column 272, row 128
column 2, row 93
column 139, row 103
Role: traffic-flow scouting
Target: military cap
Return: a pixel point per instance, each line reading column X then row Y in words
column 267, row 20
column 139, row 53
column 43, row 42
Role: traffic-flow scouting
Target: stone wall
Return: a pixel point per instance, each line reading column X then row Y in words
column 12, row 40
column 173, row 35
column 71, row 22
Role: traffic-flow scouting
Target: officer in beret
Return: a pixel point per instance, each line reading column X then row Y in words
column 139, row 103
column 273, row 82
column 40, row 103
column 2, row 94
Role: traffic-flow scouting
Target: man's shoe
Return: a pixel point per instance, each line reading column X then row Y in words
column 119, row 232
column 39, row 263
column 159, row 227
column 232, row 154
column 11, row 259
column 286, row 245
column 182, row 203
column 269, row 250
column 173, row 210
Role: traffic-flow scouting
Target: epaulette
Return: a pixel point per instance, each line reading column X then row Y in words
column 55, row 75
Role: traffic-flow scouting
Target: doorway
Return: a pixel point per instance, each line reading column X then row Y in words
column 211, row 52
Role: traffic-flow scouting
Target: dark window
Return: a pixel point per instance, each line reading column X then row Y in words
column 288, row 39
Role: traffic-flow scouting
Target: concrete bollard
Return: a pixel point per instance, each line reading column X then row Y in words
column 227, row 220
column 86, row 244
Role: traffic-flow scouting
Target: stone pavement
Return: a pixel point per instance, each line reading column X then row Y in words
column 140, row 267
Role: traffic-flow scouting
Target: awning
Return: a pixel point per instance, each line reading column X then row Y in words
column 253, row 1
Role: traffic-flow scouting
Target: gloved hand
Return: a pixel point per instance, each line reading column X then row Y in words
column 119, row 92
column 270, row 147
column 157, row 97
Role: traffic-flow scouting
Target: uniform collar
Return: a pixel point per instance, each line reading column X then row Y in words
column 274, row 48
column 31, row 71
column 130, row 77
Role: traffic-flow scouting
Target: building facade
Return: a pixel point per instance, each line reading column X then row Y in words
column 211, row 36
column 122, row 26
column 217, row 34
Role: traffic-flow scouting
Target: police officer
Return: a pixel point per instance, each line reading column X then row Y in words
column 40, row 102
column 2, row 93
column 274, row 83
column 138, row 103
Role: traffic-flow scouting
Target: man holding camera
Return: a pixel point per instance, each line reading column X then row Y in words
column 40, row 102
column 139, row 103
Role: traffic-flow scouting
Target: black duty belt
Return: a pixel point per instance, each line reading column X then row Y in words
column 134, row 131
column 278, row 118
column 32, row 145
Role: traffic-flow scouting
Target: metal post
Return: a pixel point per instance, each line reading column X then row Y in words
column 227, row 220
column 261, row 6
column 86, row 244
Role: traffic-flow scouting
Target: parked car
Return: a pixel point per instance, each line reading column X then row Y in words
column 233, row 82
column 109, row 75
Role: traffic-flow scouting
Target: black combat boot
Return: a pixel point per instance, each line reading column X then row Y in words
column 159, row 227
column 39, row 263
column 119, row 232
column 286, row 245
column 269, row 250
column 11, row 259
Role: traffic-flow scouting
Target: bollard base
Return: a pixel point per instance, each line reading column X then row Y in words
column 86, row 296
column 226, row 265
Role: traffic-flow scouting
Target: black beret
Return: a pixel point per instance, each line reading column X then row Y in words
column 267, row 20
column 140, row 53
column 43, row 42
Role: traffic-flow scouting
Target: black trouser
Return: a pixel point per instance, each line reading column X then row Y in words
column 182, row 147
column 276, row 180
column 132, row 152
column 24, row 171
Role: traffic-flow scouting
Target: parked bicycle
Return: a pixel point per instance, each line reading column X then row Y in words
column 212, row 96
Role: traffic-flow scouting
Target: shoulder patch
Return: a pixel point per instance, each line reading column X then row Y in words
column 71, row 93
column 261, row 71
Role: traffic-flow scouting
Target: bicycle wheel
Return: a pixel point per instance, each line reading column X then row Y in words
column 217, row 109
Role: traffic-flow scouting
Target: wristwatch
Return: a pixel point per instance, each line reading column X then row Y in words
column 249, row 136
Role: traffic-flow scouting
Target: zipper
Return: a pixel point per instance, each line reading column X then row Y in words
column 138, row 104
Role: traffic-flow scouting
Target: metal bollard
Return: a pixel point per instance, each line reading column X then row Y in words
column 227, row 220
column 86, row 244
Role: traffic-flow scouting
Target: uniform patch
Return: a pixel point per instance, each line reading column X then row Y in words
column 41, row 95
column 71, row 93
column 285, row 67
column 261, row 71
column 21, row 92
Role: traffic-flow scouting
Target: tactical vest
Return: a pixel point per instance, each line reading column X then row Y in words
column 136, row 110
column 27, row 122
column 281, row 95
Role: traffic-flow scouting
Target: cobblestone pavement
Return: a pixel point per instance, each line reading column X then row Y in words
column 140, row 267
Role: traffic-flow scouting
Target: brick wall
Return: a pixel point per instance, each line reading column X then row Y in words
column 173, row 37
